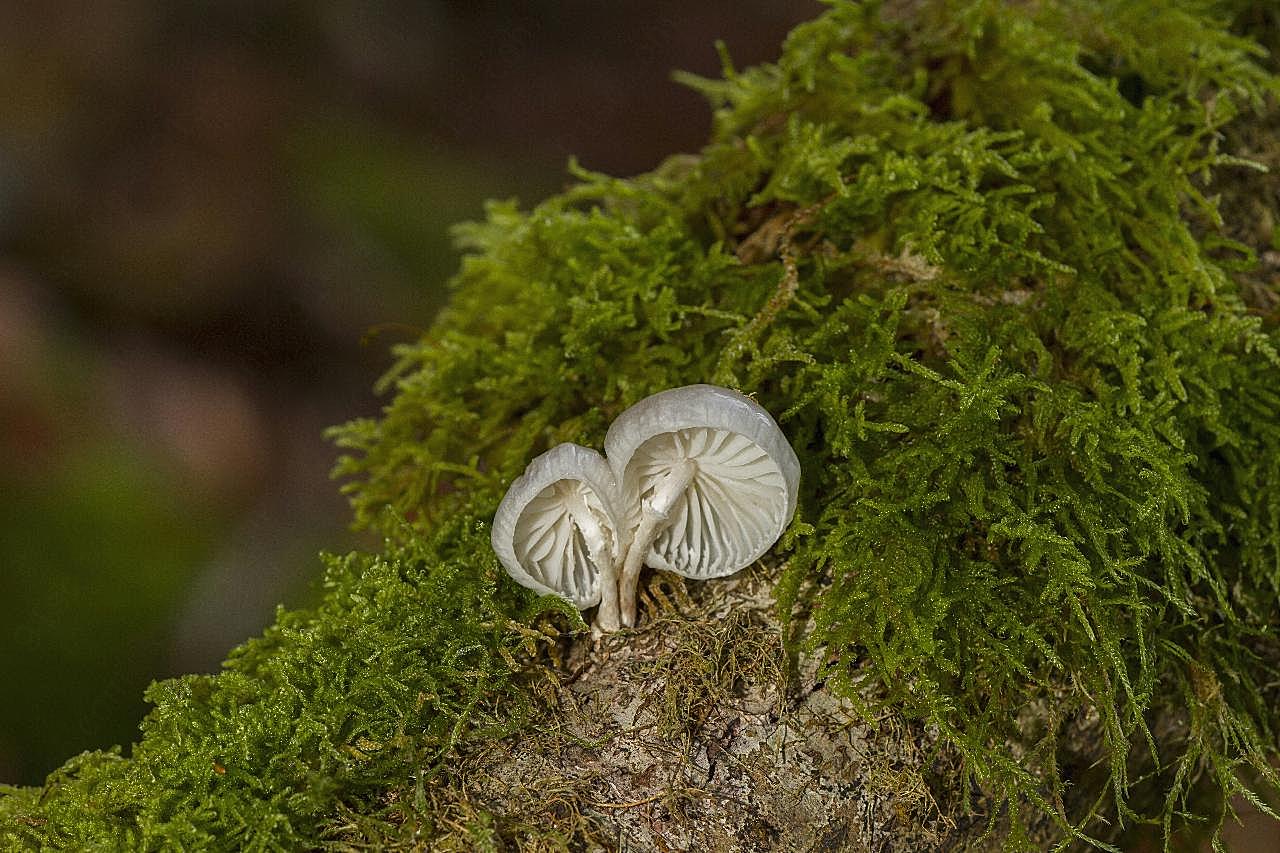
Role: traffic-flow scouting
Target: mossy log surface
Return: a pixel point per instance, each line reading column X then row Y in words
column 700, row 731
column 1007, row 275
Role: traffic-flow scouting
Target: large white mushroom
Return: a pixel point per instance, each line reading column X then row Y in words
column 709, row 480
column 555, row 531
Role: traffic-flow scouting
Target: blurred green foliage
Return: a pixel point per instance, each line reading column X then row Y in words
column 104, row 516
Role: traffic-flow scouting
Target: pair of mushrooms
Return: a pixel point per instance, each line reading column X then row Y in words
column 698, row 480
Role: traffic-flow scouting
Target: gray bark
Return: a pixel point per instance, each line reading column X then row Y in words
column 695, row 732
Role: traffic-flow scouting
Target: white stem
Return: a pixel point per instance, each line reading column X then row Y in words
column 653, row 520
column 598, row 547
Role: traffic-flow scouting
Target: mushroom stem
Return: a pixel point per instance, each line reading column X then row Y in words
column 598, row 546
column 653, row 520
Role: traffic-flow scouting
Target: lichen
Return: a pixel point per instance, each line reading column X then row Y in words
column 974, row 256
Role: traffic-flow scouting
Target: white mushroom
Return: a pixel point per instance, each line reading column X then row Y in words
column 709, row 479
column 555, row 531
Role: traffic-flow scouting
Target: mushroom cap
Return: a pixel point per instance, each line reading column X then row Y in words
column 537, row 537
column 743, row 494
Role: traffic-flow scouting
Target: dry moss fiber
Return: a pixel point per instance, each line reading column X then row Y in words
column 975, row 257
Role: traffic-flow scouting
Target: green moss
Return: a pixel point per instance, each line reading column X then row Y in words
column 408, row 652
column 972, row 255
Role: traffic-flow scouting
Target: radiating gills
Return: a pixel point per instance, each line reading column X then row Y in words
column 550, row 542
column 732, row 507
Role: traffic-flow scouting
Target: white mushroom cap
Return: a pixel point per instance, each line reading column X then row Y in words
column 557, row 524
column 741, row 488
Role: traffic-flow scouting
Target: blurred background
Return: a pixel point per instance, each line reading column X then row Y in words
column 215, row 219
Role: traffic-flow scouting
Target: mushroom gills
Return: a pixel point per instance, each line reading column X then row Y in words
column 698, row 480
column 563, row 538
column 556, row 530
column 731, row 507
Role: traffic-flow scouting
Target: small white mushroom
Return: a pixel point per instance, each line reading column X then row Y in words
column 709, row 479
column 555, row 531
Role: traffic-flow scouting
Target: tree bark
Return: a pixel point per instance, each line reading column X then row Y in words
column 696, row 731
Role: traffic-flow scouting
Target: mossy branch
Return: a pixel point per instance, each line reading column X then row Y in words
column 972, row 253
